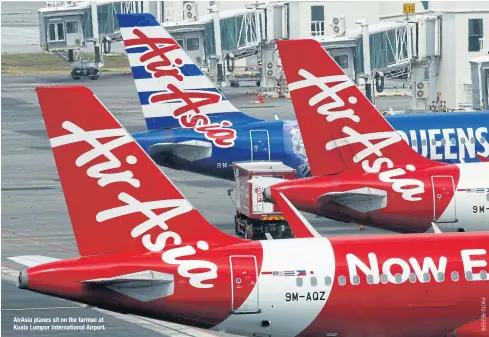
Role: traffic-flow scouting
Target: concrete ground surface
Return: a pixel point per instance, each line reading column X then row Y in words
column 34, row 217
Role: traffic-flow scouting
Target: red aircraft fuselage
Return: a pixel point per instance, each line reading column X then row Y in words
column 428, row 285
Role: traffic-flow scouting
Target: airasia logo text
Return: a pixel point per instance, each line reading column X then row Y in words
column 189, row 114
column 410, row 189
column 130, row 205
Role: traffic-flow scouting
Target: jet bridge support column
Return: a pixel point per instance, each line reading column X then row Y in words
column 217, row 37
column 433, row 68
column 366, row 58
column 94, row 70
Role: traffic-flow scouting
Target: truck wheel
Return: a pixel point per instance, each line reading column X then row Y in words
column 76, row 74
column 249, row 232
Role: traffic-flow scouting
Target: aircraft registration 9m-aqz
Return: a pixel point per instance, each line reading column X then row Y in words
column 193, row 127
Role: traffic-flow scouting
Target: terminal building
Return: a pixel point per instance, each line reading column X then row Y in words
column 438, row 47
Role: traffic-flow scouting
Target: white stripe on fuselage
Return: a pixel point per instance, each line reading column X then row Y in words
column 314, row 255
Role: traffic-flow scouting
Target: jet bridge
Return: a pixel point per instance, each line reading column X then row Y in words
column 66, row 27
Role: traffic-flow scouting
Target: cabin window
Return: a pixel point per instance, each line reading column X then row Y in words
column 424, row 142
column 342, row 280
column 453, row 141
column 299, row 281
column 192, row 44
column 327, row 281
column 443, row 141
column 472, row 140
column 398, row 278
column 370, row 279
column 483, row 140
column 356, row 280
column 384, row 279
column 483, row 275
column 181, row 43
column 440, row 276
column 415, row 142
column 462, row 140
column 433, row 141
column 468, row 276
column 72, row 27
column 426, row 277
column 412, row 277
column 314, row 281
column 454, row 276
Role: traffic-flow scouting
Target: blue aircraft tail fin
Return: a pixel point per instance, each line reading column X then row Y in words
column 172, row 89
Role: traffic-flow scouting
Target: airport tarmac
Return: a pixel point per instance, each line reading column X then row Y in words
column 35, row 220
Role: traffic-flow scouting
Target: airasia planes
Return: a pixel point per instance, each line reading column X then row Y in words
column 193, row 126
column 362, row 169
column 145, row 250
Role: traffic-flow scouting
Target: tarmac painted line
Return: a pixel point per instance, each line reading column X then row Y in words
column 46, row 308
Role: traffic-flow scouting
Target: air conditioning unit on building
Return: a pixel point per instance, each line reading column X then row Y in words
column 190, row 10
column 270, row 69
column 421, row 89
column 339, row 25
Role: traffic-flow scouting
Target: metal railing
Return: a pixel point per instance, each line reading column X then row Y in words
column 317, row 28
column 56, row 4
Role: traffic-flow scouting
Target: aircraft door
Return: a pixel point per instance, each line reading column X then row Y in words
column 444, row 203
column 74, row 32
column 244, row 287
column 260, row 145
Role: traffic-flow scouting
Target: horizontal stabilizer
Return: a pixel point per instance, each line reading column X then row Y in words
column 32, row 260
column 190, row 150
column 145, row 286
column 147, row 276
column 362, row 200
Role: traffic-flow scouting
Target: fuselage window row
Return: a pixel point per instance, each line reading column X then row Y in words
column 384, row 278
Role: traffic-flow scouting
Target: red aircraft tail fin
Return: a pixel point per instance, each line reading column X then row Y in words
column 117, row 198
column 340, row 127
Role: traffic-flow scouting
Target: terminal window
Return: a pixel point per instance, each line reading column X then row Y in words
column 476, row 32
column 56, row 32
column 192, row 43
column 72, row 27
column 317, row 20
column 342, row 61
